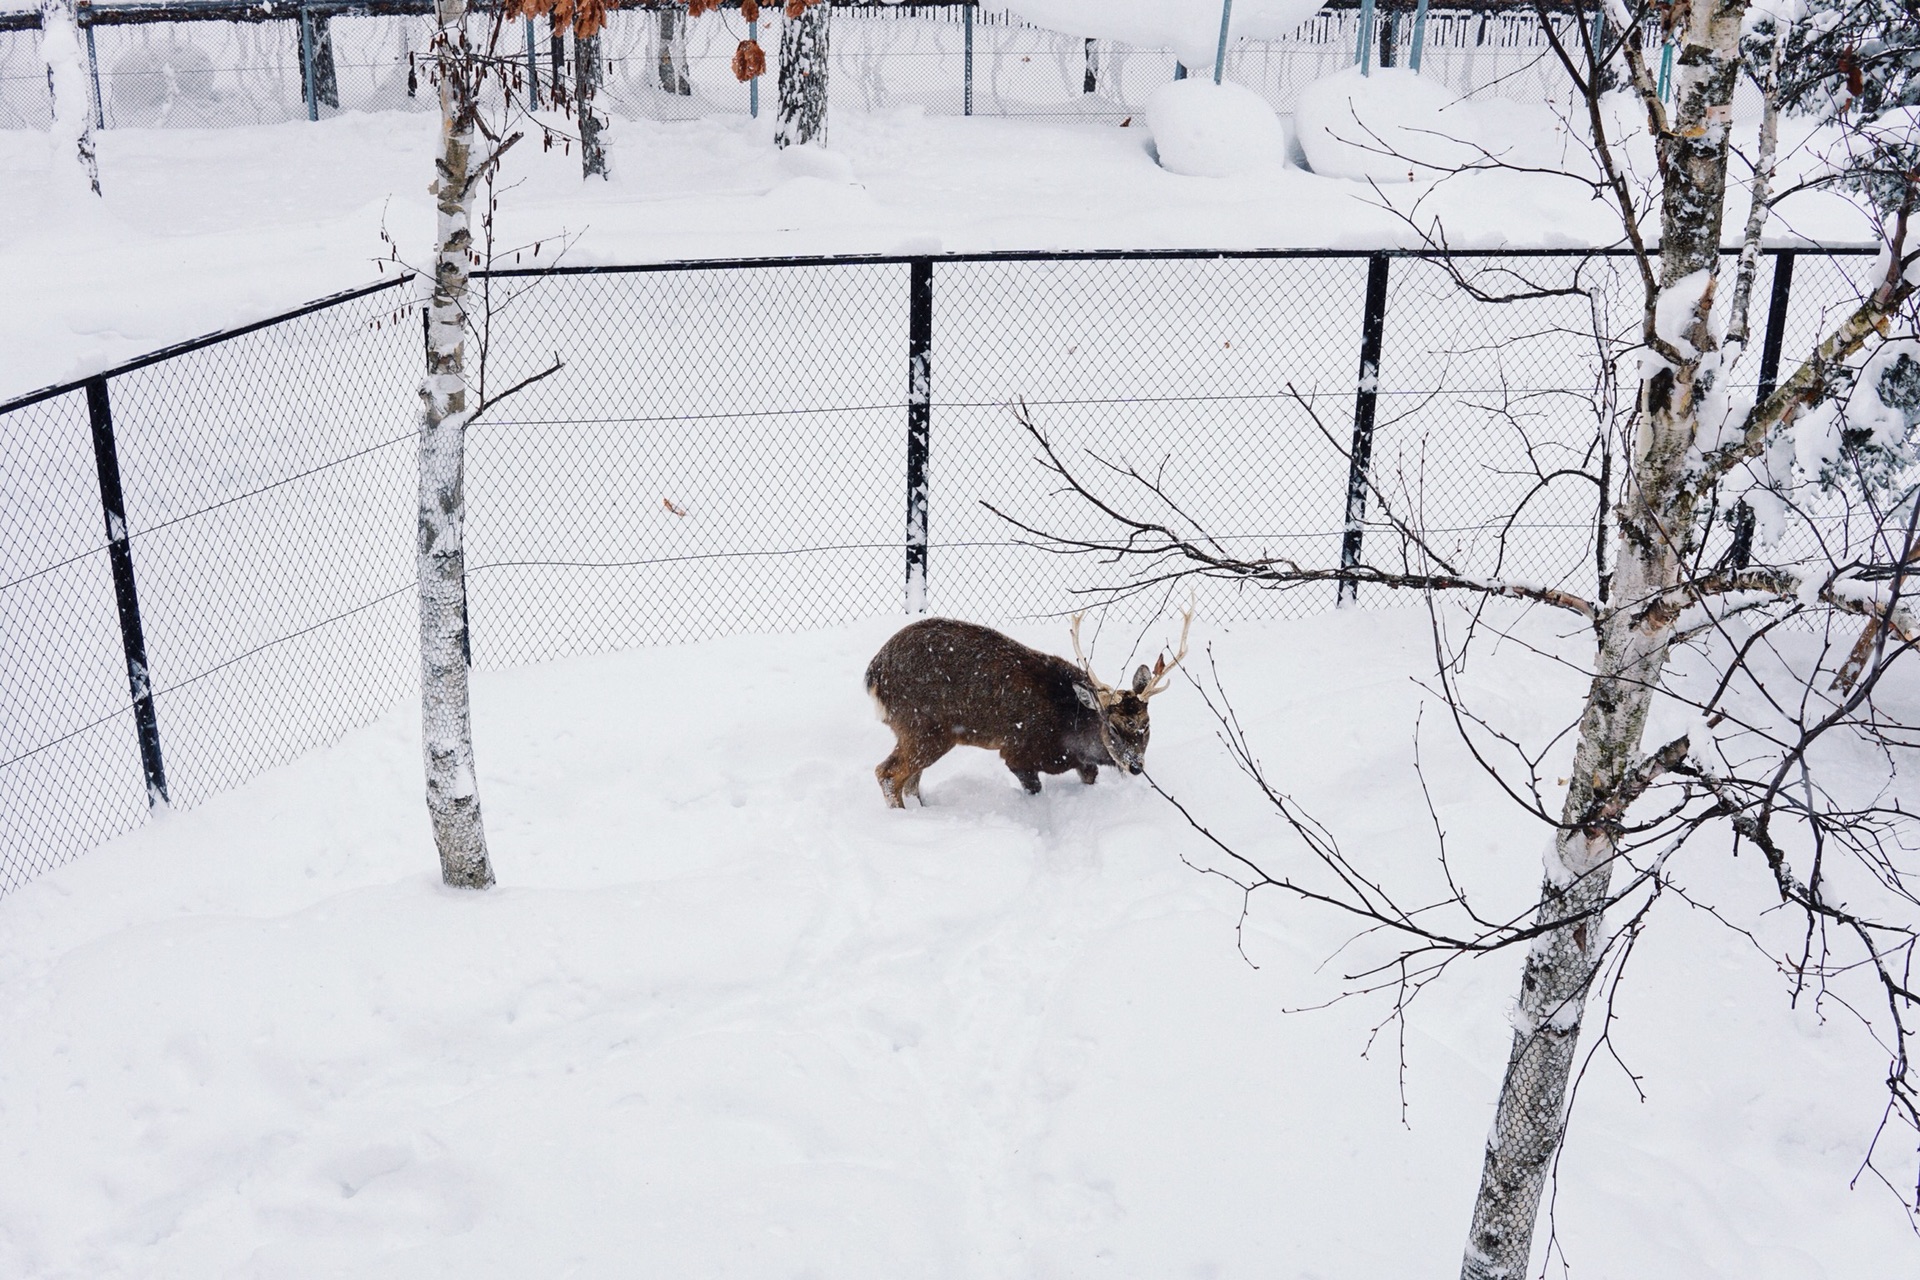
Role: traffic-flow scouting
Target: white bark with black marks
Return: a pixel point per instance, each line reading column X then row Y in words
column 803, row 79
column 72, row 134
column 453, row 796
column 1655, row 537
column 672, row 52
column 587, row 72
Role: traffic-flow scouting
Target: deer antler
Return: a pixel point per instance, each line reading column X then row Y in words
column 1162, row 669
column 1100, row 686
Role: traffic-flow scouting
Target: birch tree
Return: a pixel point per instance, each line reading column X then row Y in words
column 1690, row 447
column 453, row 793
column 587, row 78
column 72, row 135
column 803, row 74
column 670, row 35
column 453, row 396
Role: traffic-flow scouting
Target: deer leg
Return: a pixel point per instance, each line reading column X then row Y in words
column 1089, row 773
column 1030, row 779
column 888, row 773
column 899, row 773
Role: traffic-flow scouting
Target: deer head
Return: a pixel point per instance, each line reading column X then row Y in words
column 1123, row 712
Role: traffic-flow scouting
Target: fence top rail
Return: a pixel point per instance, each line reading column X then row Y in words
column 138, row 11
column 887, row 259
column 1119, row 255
column 205, row 340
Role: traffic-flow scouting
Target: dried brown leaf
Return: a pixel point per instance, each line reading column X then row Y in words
column 749, row 60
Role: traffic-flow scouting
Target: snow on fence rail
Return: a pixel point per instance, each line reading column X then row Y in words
column 208, row 563
column 209, row 63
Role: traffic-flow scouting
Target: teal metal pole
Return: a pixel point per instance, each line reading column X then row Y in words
column 1220, row 55
column 753, row 85
column 966, row 75
column 93, row 69
column 1364, row 55
column 1419, row 35
column 533, row 72
column 1666, row 68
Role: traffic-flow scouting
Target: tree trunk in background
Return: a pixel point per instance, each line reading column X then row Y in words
column 453, row 797
column 72, row 136
column 593, row 128
column 673, row 52
column 1655, row 536
column 1090, row 82
column 326, row 79
column 803, row 79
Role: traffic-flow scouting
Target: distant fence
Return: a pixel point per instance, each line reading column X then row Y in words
column 209, row 63
column 207, row 565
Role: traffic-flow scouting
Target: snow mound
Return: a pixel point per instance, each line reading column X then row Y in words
column 1207, row 130
column 1391, row 126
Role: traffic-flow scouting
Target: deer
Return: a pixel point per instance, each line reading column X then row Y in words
column 940, row 683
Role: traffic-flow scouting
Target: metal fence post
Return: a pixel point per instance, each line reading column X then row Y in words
column 1220, row 54
column 1372, row 327
column 93, row 71
column 753, row 85
column 966, row 78
column 533, row 72
column 1420, row 36
column 1776, row 323
column 919, row 421
column 306, row 63
column 1740, row 553
column 1363, row 54
column 133, row 639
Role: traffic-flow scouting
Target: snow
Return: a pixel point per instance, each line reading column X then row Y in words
column 1816, row 436
column 1677, row 307
column 1391, row 126
column 730, row 1015
column 1207, row 130
column 1191, row 28
column 1885, row 425
column 200, row 229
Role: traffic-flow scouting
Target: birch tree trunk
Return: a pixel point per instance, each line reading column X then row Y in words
column 326, row 76
column 672, row 59
column 586, row 82
column 453, row 797
column 1655, row 535
column 72, row 136
column 803, row 79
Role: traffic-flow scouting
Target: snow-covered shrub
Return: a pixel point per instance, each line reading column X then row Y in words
column 1391, row 126
column 1208, row 130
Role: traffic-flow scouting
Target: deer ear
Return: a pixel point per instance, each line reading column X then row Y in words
column 1140, row 678
column 1088, row 698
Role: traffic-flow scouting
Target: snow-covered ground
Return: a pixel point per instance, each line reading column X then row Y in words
column 727, row 1015
column 201, row 229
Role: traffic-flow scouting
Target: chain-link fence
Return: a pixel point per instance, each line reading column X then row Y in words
column 208, row 564
column 236, row 64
